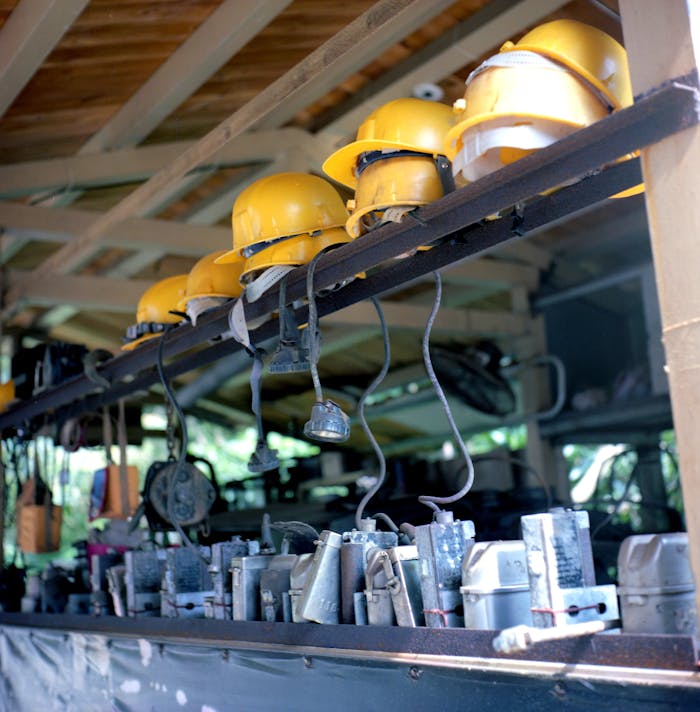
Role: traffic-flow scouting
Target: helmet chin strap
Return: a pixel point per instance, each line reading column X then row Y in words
column 197, row 306
column 268, row 279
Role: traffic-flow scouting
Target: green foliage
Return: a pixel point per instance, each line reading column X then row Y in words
column 511, row 438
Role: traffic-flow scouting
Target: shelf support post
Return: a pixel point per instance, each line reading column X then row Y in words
column 663, row 41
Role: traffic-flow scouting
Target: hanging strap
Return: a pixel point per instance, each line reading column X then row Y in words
column 289, row 331
column 255, row 388
column 107, row 434
column 265, row 281
column 123, row 479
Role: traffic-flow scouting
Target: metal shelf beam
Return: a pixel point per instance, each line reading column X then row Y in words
column 457, row 225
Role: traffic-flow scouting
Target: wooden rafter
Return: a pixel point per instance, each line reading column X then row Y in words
column 33, row 29
column 62, row 224
column 131, row 165
column 414, row 317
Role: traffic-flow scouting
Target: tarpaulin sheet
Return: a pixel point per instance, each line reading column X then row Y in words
column 46, row 670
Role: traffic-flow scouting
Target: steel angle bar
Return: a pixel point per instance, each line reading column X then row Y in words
column 662, row 112
column 459, row 217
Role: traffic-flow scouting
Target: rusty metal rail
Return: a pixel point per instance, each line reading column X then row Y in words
column 455, row 225
column 659, row 652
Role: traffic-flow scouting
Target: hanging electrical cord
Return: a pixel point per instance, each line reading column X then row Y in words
column 365, row 427
column 430, row 500
column 184, row 443
column 313, row 326
column 388, row 521
column 328, row 423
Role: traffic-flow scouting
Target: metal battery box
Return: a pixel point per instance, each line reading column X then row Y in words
column 245, row 586
column 320, row 600
column 297, row 580
column 353, row 563
column 560, row 570
column 442, row 546
column 495, row 585
column 393, row 594
column 274, row 588
column 656, row 588
column 218, row 605
column 186, row 582
column 142, row 578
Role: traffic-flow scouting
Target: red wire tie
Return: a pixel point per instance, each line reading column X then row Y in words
column 570, row 610
column 440, row 612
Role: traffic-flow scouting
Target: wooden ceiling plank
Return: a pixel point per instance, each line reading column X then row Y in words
column 486, row 29
column 205, row 51
column 525, row 251
column 231, row 26
column 33, row 29
column 131, row 165
column 406, row 20
column 337, row 57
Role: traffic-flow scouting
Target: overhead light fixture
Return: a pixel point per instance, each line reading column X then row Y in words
column 428, row 91
column 327, row 423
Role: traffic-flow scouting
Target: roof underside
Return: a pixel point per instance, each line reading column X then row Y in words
column 131, row 84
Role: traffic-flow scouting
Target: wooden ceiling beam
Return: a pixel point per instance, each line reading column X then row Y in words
column 33, row 29
column 488, row 28
column 523, row 251
column 62, row 224
column 84, row 292
column 231, row 26
column 131, row 165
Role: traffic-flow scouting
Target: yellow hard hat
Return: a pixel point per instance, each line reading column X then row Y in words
column 282, row 205
column 294, row 251
column 561, row 76
column 209, row 279
column 7, row 394
column 154, row 310
column 405, row 181
column 402, row 125
column 589, row 52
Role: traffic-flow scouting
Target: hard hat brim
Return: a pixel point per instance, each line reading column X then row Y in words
column 182, row 304
column 340, row 166
column 137, row 342
column 228, row 257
